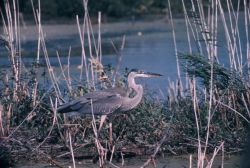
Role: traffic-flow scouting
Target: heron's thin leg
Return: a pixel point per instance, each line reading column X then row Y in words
column 103, row 118
column 110, row 133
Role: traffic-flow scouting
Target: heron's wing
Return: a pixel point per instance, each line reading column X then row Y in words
column 72, row 106
column 102, row 106
column 124, row 92
column 107, row 92
column 103, row 102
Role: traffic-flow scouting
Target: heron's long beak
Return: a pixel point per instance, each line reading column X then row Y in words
column 150, row 74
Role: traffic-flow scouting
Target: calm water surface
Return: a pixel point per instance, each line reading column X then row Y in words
column 151, row 51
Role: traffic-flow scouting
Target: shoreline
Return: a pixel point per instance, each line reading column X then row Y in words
column 65, row 31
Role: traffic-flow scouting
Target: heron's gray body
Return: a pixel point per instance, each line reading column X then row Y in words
column 110, row 100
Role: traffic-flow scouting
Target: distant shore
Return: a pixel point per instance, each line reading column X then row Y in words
column 64, row 31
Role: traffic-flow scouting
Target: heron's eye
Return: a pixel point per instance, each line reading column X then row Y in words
column 140, row 71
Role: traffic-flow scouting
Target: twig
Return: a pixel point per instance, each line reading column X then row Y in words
column 152, row 157
column 223, row 104
column 55, row 163
column 54, row 121
column 72, row 151
column 79, row 147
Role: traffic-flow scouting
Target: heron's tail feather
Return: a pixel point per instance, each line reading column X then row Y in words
column 65, row 108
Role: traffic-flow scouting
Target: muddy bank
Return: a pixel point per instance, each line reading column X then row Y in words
column 161, row 162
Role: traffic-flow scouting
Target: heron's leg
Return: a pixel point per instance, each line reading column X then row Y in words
column 110, row 133
column 103, row 118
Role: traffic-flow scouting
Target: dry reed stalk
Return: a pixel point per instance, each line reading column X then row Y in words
column 12, row 31
column 37, row 17
column 216, row 150
column 113, row 165
column 110, row 134
column 196, row 29
column 8, row 118
column 34, row 90
column 209, row 116
column 213, row 22
column 83, row 60
column 187, row 27
column 176, row 51
column 222, row 156
column 2, row 132
column 112, row 154
column 233, row 38
column 68, row 72
column 72, row 151
column 206, row 37
column 247, row 15
column 190, row 161
column 68, row 153
column 234, row 31
column 205, row 31
column 119, row 59
column 101, row 151
column 86, row 33
column 99, row 41
column 63, row 74
column 90, row 74
column 195, row 107
column 41, row 38
column 91, row 39
column 171, row 93
column 87, row 26
column 232, row 109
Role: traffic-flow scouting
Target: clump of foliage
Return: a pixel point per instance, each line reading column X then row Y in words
column 223, row 78
column 5, row 156
column 229, row 104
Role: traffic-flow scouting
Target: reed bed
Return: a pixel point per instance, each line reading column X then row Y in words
column 224, row 89
column 205, row 114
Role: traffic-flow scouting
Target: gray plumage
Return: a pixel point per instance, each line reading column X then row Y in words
column 107, row 101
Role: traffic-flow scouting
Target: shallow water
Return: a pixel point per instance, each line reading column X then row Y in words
column 149, row 46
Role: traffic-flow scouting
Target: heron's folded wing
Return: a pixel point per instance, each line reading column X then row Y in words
column 72, row 106
column 106, row 93
column 102, row 106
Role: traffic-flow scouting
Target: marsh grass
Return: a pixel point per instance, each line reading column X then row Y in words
column 218, row 93
column 208, row 113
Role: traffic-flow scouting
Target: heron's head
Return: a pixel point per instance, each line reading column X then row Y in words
column 139, row 73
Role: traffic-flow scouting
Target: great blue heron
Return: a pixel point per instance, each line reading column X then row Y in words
column 105, row 102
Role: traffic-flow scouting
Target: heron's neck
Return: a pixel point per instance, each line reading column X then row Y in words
column 138, row 89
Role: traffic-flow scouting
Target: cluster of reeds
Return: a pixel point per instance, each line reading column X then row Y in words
column 214, row 99
column 28, row 104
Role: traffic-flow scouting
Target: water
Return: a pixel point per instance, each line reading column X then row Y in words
column 150, row 49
